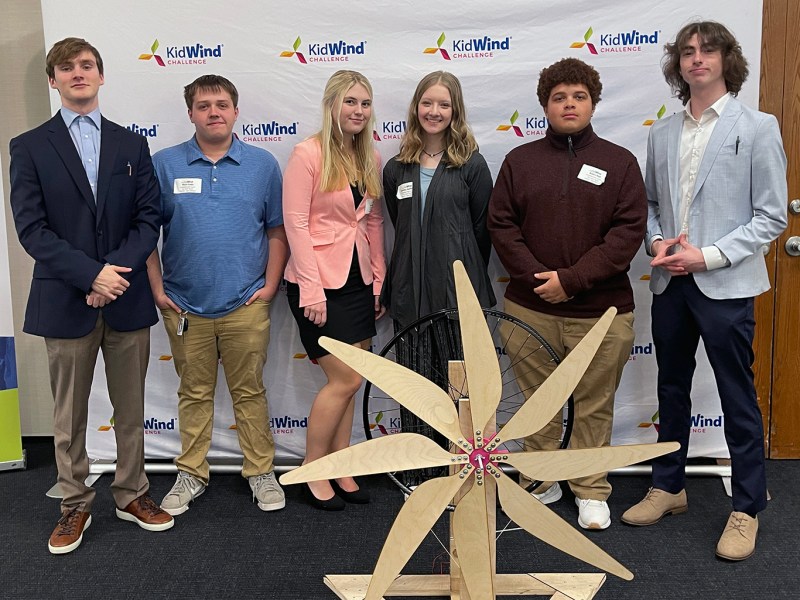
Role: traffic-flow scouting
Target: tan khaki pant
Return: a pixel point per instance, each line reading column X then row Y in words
column 594, row 396
column 239, row 340
column 72, row 363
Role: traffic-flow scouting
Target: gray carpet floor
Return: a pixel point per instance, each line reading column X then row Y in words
column 224, row 547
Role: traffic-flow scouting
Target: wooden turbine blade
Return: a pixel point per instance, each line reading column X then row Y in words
column 548, row 399
column 422, row 397
column 397, row 452
column 558, row 465
column 480, row 357
column 419, row 513
column 538, row 520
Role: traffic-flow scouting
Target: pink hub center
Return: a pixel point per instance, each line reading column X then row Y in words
column 479, row 457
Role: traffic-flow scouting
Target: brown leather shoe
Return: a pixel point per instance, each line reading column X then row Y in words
column 655, row 505
column 146, row 514
column 738, row 540
column 68, row 534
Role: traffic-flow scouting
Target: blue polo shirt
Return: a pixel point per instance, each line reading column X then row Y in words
column 216, row 215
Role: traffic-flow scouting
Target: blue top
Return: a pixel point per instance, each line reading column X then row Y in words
column 425, row 176
column 85, row 133
column 216, row 216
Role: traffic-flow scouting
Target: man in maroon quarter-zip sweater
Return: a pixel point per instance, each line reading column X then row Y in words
column 567, row 215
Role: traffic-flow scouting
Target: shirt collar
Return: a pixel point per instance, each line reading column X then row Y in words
column 194, row 153
column 717, row 107
column 70, row 115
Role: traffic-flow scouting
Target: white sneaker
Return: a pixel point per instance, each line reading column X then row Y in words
column 593, row 514
column 550, row 495
column 267, row 492
column 187, row 488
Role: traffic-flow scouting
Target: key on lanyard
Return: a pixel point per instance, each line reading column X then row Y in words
column 183, row 323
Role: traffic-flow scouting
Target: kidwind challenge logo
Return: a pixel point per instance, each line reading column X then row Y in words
column 151, row 426
column 145, row 130
column 622, row 42
column 533, row 126
column 321, row 52
column 389, row 130
column 470, row 48
column 700, row 423
column 267, row 131
column 659, row 114
column 194, row 54
column 386, row 426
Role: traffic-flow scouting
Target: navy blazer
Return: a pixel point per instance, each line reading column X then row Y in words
column 71, row 237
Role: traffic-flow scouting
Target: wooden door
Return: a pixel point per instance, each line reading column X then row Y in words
column 777, row 343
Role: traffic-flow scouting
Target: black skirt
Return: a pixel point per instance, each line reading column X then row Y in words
column 351, row 313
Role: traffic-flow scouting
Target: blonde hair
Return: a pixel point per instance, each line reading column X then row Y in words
column 338, row 169
column 459, row 142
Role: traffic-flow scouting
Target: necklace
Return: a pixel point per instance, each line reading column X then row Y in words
column 434, row 155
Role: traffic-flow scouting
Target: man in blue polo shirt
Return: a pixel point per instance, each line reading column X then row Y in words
column 223, row 250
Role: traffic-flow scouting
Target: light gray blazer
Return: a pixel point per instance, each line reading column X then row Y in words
column 739, row 202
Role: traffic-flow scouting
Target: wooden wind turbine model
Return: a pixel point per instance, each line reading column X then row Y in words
column 477, row 479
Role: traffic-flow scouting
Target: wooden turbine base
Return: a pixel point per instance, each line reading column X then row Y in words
column 557, row 586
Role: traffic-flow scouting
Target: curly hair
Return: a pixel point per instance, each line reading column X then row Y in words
column 66, row 50
column 337, row 168
column 571, row 71
column 711, row 35
column 459, row 142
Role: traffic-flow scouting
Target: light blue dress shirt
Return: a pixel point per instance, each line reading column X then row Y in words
column 85, row 133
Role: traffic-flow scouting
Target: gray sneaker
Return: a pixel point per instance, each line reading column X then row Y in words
column 267, row 492
column 187, row 488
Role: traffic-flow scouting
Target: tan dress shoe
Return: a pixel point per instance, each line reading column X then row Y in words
column 68, row 533
column 655, row 505
column 738, row 540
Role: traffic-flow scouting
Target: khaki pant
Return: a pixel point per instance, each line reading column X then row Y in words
column 594, row 396
column 239, row 340
column 72, row 363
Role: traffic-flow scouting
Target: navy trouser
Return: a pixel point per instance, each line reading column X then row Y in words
column 681, row 316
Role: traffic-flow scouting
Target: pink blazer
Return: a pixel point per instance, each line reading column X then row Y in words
column 323, row 226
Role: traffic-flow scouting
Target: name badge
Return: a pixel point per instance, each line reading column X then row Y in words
column 592, row 175
column 187, row 185
column 368, row 206
column 404, row 190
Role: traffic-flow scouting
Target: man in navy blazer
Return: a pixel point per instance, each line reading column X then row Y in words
column 86, row 208
column 716, row 190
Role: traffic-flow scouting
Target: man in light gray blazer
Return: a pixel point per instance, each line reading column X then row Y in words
column 716, row 190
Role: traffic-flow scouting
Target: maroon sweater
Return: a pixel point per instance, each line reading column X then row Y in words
column 543, row 218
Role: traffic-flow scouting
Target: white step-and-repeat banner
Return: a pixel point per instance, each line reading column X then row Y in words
column 279, row 55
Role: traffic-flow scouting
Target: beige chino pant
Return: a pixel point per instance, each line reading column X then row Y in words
column 72, row 364
column 239, row 340
column 594, row 396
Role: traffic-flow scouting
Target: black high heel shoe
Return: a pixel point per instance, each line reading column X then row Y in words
column 360, row 496
column 331, row 504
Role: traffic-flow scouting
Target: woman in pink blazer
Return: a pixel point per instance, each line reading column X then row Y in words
column 334, row 223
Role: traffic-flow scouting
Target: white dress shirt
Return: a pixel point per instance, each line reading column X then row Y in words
column 694, row 139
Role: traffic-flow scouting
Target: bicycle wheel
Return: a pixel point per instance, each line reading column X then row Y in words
column 425, row 346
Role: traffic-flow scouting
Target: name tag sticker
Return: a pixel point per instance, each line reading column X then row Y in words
column 368, row 206
column 404, row 190
column 187, row 185
column 592, row 175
